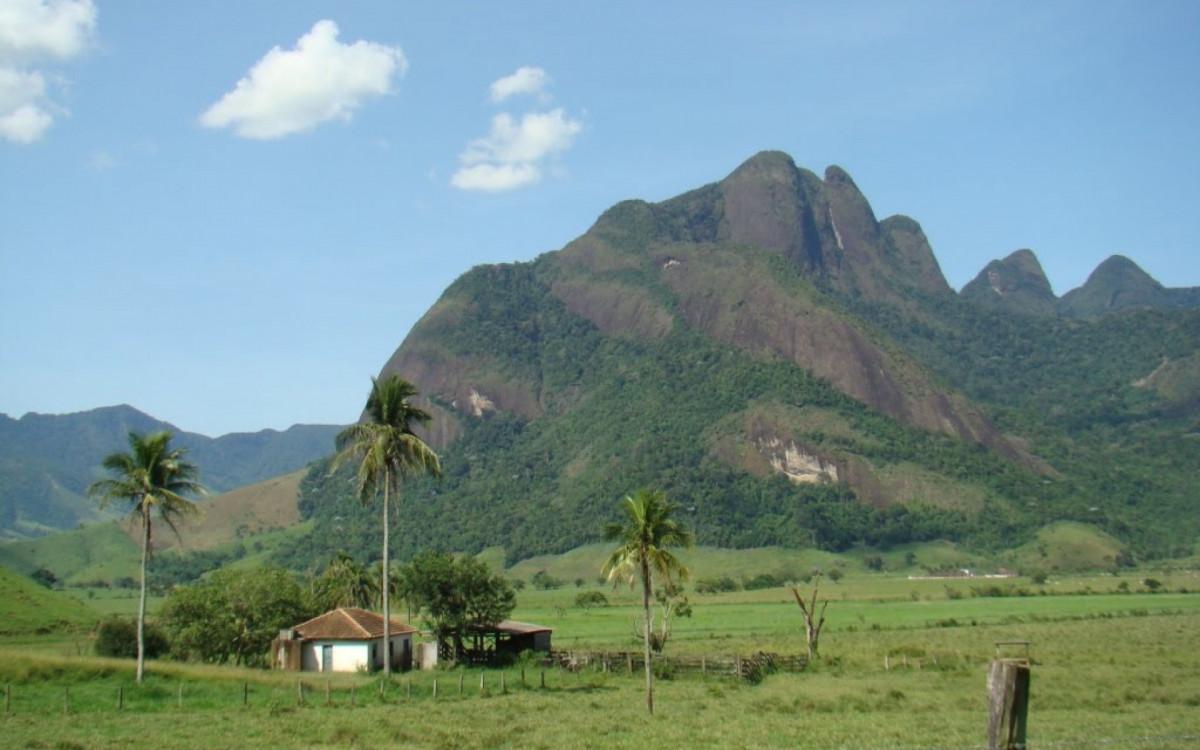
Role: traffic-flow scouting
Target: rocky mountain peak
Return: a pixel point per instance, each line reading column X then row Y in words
column 1015, row 284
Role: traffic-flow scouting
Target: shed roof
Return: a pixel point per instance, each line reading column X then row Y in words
column 348, row 623
column 521, row 628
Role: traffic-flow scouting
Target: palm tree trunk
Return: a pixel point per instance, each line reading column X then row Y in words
column 646, row 633
column 141, row 620
column 387, row 614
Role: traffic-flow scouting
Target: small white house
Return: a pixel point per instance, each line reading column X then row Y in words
column 348, row 639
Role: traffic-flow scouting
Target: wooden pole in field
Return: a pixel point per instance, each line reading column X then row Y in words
column 543, row 679
column 461, row 677
column 327, row 690
column 179, row 700
column 120, row 697
column 435, row 688
column 66, row 699
column 245, row 694
column 8, row 698
column 300, row 692
column 1008, row 703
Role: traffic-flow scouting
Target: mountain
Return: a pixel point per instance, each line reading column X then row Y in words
column 1016, row 284
column 47, row 461
column 795, row 372
column 1119, row 284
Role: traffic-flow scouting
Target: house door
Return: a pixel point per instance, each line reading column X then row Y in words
column 326, row 658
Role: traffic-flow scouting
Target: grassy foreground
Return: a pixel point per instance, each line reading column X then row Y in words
column 1109, row 670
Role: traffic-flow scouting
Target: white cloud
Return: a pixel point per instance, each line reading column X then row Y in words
column 526, row 80
column 495, row 178
column 31, row 33
column 289, row 91
column 514, row 151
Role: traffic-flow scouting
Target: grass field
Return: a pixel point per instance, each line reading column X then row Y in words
column 1109, row 669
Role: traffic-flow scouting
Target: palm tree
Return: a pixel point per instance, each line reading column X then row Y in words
column 345, row 582
column 387, row 448
column 152, row 477
column 647, row 535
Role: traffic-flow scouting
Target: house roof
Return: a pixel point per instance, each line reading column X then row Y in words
column 348, row 623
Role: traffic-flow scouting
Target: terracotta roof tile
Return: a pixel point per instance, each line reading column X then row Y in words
column 348, row 623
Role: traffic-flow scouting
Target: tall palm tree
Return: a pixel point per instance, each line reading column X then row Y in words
column 647, row 534
column 387, row 448
column 153, row 477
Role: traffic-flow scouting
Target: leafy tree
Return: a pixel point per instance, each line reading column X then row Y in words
column 44, row 576
column 153, row 477
column 457, row 595
column 345, row 582
column 646, row 536
column 386, row 449
column 588, row 599
column 234, row 614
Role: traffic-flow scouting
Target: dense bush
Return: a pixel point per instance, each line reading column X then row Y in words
column 117, row 637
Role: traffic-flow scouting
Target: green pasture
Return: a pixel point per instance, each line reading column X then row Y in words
column 1120, row 680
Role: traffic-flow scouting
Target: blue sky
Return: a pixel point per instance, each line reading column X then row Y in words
column 229, row 214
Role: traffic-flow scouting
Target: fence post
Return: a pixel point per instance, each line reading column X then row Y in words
column 300, row 692
column 8, row 698
column 435, row 688
column 120, row 697
column 66, row 699
column 327, row 691
column 461, row 677
column 179, row 700
column 522, row 676
column 1008, row 703
column 543, row 679
column 245, row 694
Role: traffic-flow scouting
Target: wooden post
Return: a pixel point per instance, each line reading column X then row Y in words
column 8, row 698
column 704, row 664
column 245, row 694
column 353, row 696
column 435, row 688
column 481, row 687
column 66, row 699
column 327, row 691
column 1008, row 703
column 887, row 663
column 120, row 697
column 179, row 700
column 543, row 679
column 461, row 677
column 300, row 692
column 522, row 676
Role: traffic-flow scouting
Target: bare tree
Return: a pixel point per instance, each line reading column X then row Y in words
column 812, row 621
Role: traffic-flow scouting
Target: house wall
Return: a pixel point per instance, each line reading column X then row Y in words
column 348, row 656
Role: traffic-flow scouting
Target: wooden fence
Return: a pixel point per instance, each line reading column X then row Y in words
column 751, row 668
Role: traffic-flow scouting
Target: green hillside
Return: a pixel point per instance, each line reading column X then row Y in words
column 26, row 608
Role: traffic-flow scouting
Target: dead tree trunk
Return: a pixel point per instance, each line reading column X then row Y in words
column 812, row 621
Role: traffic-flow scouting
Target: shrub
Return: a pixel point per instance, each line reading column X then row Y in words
column 716, row 585
column 117, row 637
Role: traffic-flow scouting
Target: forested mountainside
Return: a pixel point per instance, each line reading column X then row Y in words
column 796, row 372
column 47, row 461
